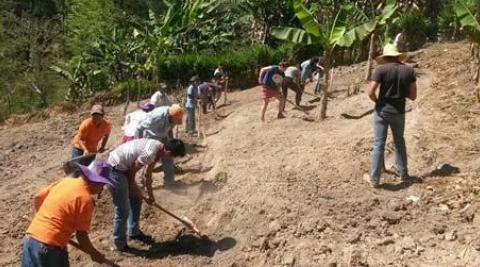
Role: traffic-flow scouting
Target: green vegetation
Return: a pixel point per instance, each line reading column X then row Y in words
column 55, row 50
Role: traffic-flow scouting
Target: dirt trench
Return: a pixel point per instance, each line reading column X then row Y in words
column 289, row 192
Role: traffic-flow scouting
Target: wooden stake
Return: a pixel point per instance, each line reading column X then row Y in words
column 225, row 94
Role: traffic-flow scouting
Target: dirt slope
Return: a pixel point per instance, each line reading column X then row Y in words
column 289, row 192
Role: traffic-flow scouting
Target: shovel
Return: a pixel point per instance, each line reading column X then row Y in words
column 68, row 167
column 184, row 220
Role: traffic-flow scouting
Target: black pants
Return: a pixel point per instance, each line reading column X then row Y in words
column 289, row 83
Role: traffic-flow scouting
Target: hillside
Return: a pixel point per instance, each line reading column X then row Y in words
column 289, row 192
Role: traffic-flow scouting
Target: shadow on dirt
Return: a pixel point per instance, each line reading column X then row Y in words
column 306, row 107
column 188, row 244
column 403, row 185
column 442, row 171
column 356, row 117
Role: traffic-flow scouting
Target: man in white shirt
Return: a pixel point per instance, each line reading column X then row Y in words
column 160, row 99
column 126, row 160
column 132, row 121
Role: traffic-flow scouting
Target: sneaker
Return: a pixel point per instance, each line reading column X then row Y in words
column 405, row 178
column 147, row 239
column 126, row 248
column 367, row 179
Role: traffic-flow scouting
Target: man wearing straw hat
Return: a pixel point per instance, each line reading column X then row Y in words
column 397, row 82
column 63, row 208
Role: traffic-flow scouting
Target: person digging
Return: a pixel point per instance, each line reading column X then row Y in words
column 126, row 160
column 63, row 208
column 158, row 125
column 292, row 81
column 271, row 79
column 90, row 133
column 397, row 82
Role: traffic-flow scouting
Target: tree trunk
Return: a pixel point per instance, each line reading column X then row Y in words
column 324, row 100
column 371, row 50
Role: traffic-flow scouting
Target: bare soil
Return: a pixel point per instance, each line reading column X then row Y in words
column 288, row 192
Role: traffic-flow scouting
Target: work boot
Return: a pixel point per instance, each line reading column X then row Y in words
column 367, row 179
column 125, row 249
column 142, row 237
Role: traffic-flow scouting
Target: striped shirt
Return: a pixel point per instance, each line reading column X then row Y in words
column 144, row 151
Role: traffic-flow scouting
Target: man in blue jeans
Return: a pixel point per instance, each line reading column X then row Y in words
column 126, row 160
column 397, row 82
column 191, row 104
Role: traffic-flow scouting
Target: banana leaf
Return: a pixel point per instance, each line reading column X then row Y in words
column 293, row 35
column 467, row 20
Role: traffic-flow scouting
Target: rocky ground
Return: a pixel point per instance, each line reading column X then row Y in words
column 288, row 192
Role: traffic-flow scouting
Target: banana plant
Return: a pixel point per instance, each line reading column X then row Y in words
column 467, row 19
column 338, row 34
column 77, row 75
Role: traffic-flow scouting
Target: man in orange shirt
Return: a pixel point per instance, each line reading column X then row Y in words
column 91, row 131
column 62, row 208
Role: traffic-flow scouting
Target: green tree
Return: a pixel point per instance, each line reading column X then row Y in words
column 337, row 34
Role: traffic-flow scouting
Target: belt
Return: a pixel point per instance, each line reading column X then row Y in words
column 29, row 237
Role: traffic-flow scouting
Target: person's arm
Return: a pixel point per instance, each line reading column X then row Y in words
column 412, row 91
column 86, row 246
column 148, row 183
column 262, row 73
column 82, row 132
column 104, row 143
column 132, row 185
column 190, row 92
column 84, row 147
column 298, row 75
column 372, row 91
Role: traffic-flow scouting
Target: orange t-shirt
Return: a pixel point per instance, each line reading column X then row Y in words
column 91, row 134
column 62, row 208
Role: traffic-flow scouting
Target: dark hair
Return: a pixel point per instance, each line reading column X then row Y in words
column 391, row 59
column 176, row 147
column 314, row 60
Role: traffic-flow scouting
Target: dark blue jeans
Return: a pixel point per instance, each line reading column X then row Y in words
column 76, row 152
column 37, row 254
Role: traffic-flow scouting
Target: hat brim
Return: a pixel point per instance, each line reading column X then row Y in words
column 96, row 112
column 93, row 177
column 381, row 59
column 148, row 107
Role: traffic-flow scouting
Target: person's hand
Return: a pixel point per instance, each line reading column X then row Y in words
column 150, row 200
column 98, row 257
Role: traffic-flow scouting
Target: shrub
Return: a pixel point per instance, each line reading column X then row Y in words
column 413, row 23
column 241, row 66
